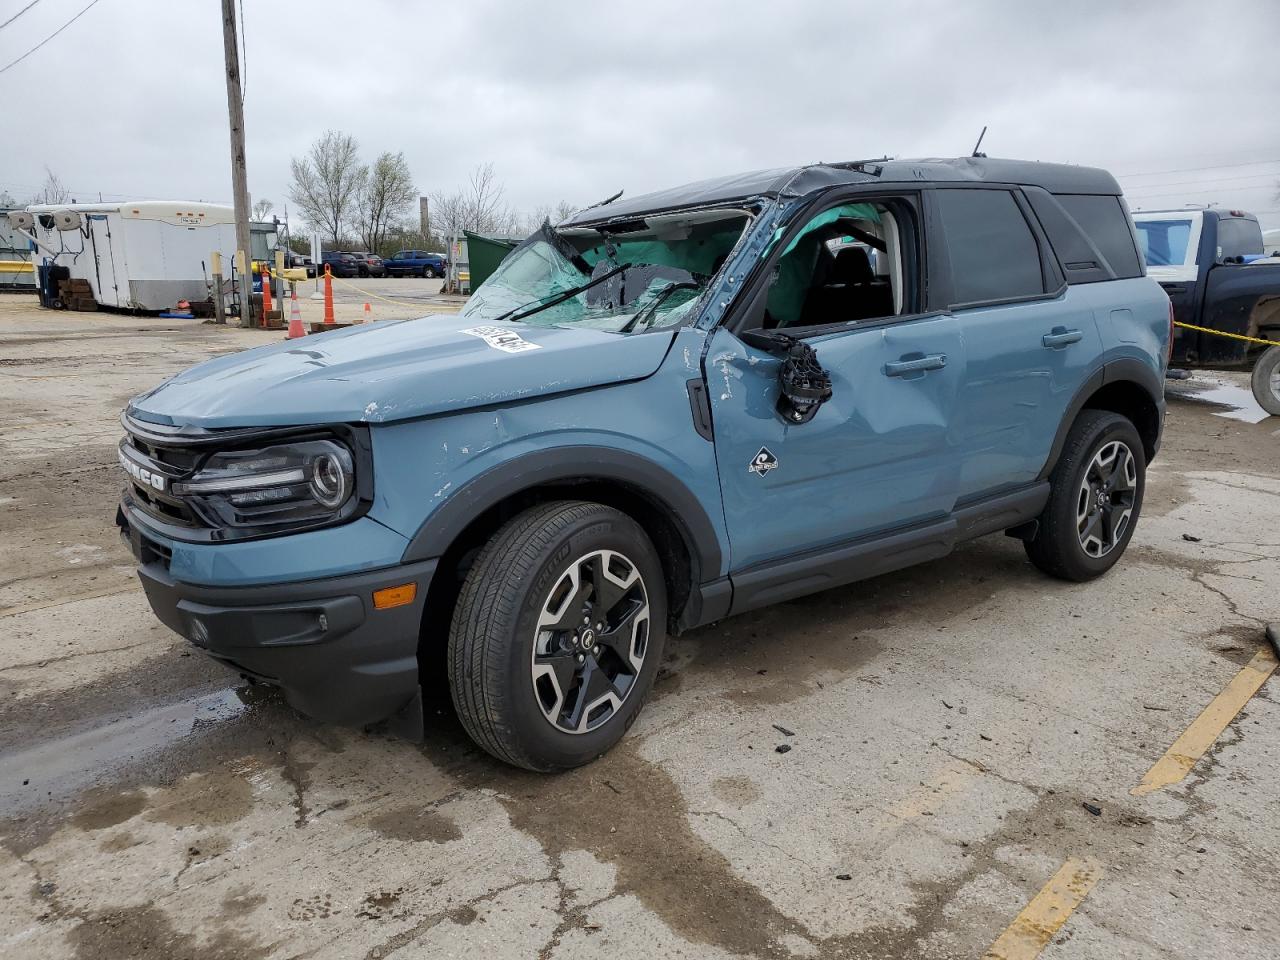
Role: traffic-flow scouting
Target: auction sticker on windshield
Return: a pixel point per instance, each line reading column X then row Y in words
column 501, row 338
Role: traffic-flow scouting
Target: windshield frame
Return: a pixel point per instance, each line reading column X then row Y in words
column 689, row 310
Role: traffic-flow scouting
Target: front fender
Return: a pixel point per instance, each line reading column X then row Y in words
column 445, row 523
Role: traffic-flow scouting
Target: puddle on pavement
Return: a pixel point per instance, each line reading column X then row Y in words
column 57, row 768
column 1218, row 392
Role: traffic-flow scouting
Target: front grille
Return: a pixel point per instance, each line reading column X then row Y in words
column 169, row 463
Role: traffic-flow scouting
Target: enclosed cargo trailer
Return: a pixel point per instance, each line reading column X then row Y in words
column 142, row 255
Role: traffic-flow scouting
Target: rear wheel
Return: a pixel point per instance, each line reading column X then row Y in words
column 557, row 635
column 428, row 273
column 1266, row 381
column 1095, row 497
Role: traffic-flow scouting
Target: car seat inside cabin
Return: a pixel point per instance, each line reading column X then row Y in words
column 845, row 266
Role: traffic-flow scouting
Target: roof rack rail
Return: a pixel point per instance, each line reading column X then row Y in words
column 873, row 167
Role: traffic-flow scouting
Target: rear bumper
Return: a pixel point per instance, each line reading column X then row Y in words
column 334, row 655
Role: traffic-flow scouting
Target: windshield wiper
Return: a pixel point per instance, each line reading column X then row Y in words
column 536, row 306
column 649, row 312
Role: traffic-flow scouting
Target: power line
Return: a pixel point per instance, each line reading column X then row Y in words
column 18, row 14
column 14, row 63
column 1208, row 183
column 1217, row 166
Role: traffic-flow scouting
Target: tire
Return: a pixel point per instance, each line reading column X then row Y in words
column 1265, row 381
column 362, row 272
column 507, row 660
column 428, row 273
column 1078, row 489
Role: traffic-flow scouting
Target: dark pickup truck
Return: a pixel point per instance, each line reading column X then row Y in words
column 1214, row 268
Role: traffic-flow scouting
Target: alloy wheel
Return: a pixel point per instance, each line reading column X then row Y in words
column 589, row 648
column 1104, row 503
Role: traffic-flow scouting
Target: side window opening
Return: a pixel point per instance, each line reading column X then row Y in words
column 846, row 265
column 994, row 254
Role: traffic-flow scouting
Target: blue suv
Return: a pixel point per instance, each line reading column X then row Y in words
column 662, row 412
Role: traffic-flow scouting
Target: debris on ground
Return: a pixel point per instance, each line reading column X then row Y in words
column 783, row 730
column 783, row 748
column 1190, row 539
column 1092, row 808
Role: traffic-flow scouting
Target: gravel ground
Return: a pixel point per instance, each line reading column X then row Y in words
column 959, row 732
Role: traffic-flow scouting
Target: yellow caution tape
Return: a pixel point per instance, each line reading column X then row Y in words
column 16, row 266
column 376, row 296
column 1223, row 333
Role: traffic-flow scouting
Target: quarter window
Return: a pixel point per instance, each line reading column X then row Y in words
column 1106, row 223
column 994, row 255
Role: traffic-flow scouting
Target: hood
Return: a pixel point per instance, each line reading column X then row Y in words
column 397, row 370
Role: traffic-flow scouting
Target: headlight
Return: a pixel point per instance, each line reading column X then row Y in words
column 287, row 484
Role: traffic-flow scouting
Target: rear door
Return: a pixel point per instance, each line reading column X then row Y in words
column 1030, row 340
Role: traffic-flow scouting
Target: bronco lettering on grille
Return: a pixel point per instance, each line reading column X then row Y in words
column 144, row 476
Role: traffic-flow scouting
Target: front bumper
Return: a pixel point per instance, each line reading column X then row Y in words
column 336, row 657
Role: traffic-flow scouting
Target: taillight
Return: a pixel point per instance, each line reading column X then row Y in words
column 1168, row 355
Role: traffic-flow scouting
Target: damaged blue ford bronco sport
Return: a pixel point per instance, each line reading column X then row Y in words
column 661, row 412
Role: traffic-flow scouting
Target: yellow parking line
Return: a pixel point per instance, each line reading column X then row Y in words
column 1048, row 910
column 1206, row 728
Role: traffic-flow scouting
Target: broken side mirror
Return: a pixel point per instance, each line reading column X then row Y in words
column 803, row 386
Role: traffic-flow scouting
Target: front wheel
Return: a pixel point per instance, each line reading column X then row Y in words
column 1095, row 497
column 557, row 635
column 1266, row 381
column 428, row 273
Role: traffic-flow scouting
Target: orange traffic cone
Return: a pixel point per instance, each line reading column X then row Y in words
column 266, row 295
column 296, row 329
column 368, row 314
column 328, row 295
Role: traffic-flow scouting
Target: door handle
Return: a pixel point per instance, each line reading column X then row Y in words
column 900, row 368
column 1061, row 337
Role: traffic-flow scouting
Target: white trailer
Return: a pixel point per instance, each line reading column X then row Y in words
column 144, row 255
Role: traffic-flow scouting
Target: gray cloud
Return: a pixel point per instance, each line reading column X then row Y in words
column 576, row 102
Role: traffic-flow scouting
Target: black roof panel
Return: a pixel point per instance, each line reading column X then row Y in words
column 797, row 181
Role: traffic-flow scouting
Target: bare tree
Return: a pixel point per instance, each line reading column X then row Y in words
column 327, row 181
column 261, row 210
column 53, row 189
column 386, row 194
column 564, row 210
column 479, row 206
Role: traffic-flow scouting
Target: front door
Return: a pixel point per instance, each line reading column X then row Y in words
column 875, row 456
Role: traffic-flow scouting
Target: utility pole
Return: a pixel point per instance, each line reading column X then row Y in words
column 239, row 175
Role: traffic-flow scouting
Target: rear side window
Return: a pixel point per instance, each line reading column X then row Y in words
column 1164, row 242
column 994, row 255
column 1237, row 237
column 1105, row 221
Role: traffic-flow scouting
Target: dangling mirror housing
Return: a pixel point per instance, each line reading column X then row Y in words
column 803, row 386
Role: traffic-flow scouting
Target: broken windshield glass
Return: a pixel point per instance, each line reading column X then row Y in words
column 650, row 273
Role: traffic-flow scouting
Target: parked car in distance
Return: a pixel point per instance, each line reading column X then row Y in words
column 415, row 263
column 299, row 261
column 1213, row 264
column 369, row 264
column 340, row 264
column 663, row 412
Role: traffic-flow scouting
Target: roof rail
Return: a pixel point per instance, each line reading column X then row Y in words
column 873, row 167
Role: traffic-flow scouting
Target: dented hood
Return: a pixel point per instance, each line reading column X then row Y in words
column 395, row 371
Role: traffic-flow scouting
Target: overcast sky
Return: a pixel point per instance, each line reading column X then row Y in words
column 576, row 101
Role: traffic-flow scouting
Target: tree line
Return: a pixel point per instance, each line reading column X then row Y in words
column 375, row 205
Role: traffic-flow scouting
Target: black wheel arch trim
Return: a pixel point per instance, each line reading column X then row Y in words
column 568, row 464
column 1115, row 371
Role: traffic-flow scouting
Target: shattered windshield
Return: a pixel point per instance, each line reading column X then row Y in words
column 636, row 276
